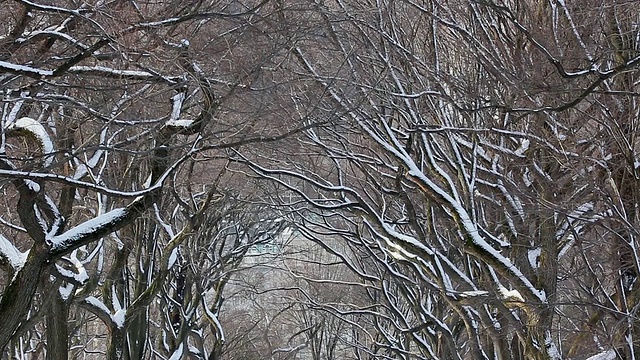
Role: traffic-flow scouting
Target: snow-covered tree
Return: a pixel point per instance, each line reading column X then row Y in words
column 115, row 119
column 482, row 158
column 468, row 168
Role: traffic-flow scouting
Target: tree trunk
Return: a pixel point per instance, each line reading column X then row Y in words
column 115, row 347
column 137, row 330
column 17, row 297
column 57, row 328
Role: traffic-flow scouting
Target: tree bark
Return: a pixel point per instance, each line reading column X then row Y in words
column 57, row 328
column 17, row 296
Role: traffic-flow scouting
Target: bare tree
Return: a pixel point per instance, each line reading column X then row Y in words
column 108, row 109
column 470, row 167
column 482, row 155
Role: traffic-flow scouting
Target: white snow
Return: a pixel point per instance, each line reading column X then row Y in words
column 119, row 317
column 606, row 355
column 86, row 228
column 471, row 230
column 513, row 200
column 396, row 255
column 177, row 354
column 105, row 71
column 57, row 34
column 51, row 8
column 38, row 131
column 174, row 120
column 15, row 110
column 524, row 146
column 32, row 185
column 65, row 291
column 451, row 202
column 213, row 317
column 13, row 256
column 167, row 228
column 81, row 277
column 39, row 218
column 472, row 294
column 534, row 256
column 172, row 258
column 510, row 295
column 184, row 123
column 526, row 177
column 92, row 300
column 115, row 301
column 24, row 69
column 551, row 347
column 58, row 219
column 154, row 23
column 83, row 169
column 195, row 351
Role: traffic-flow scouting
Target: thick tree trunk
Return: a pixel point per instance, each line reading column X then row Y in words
column 137, row 331
column 57, row 329
column 17, row 297
column 115, row 347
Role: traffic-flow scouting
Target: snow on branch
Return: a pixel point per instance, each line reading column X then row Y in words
column 120, row 74
column 33, row 129
column 47, row 34
column 177, row 354
column 450, row 200
column 175, row 121
column 90, row 228
column 448, row 197
column 50, row 8
column 24, row 70
column 10, row 255
column 98, row 308
column 79, row 276
column 77, row 183
column 193, row 16
column 605, row 355
column 512, row 296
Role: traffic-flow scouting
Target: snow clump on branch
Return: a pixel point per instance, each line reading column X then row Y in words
column 29, row 127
